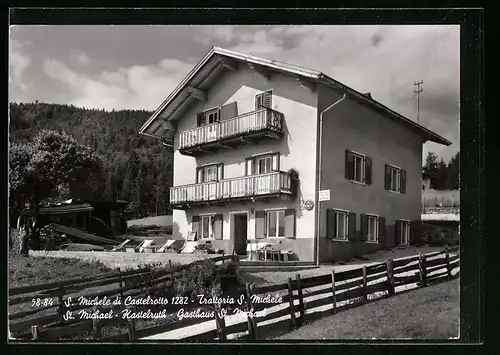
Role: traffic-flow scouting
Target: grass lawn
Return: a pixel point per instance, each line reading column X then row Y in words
column 428, row 313
column 35, row 270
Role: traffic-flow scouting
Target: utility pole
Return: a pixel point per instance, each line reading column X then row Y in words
column 417, row 92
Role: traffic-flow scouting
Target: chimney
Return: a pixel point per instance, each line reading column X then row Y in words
column 368, row 95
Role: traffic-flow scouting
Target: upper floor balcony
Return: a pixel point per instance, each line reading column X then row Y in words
column 277, row 184
column 248, row 128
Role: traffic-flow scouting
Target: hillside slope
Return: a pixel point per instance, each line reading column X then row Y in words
column 136, row 168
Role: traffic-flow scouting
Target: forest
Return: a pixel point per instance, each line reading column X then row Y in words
column 443, row 176
column 135, row 168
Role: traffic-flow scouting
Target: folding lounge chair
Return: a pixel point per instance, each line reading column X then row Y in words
column 121, row 246
column 165, row 246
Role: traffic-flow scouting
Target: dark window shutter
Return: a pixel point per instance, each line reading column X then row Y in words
column 268, row 97
column 260, row 224
column 331, row 223
column 382, row 232
column 248, row 166
column 258, row 102
column 220, row 171
column 352, row 227
column 217, row 226
column 387, row 174
column 402, row 181
column 195, row 227
column 290, row 223
column 368, row 170
column 349, row 165
column 414, row 230
column 199, row 175
column 229, row 111
column 275, row 161
column 200, row 119
column 363, row 233
column 397, row 233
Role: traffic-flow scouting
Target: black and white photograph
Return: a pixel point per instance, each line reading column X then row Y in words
column 234, row 183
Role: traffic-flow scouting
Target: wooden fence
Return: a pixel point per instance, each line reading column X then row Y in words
column 46, row 321
column 299, row 300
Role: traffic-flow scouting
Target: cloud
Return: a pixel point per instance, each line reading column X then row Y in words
column 136, row 87
column 80, row 58
column 382, row 60
column 19, row 62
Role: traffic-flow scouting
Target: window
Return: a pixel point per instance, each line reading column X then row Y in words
column 404, row 232
column 340, row 225
column 275, row 223
column 263, row 164
column 264, row 99
column 372, row 230
column 209, row 117
column 395, row 179
column 207, row 227
column 209, row 173
column 358, row 167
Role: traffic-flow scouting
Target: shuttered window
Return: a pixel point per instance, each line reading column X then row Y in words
column 262, row 164
column 395, row 179
column 358, row 167
column 280, row 223
column 209, row 173
column 403, row 232
column 263, row 100
column 372, row 228
column 337, row 224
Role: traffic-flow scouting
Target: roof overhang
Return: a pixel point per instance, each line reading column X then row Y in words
column 161, row 124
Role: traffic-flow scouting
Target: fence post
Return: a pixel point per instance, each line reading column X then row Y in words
column 448, row 268
column 170, row 263
column 131, row 325
column 334, row 297
column 60, row 301
column 220, row 322
column 365, row 296
column 223, row 258
column 422, row 269
column 254, row 320
column 120, row 282
column 250, row 323
column 390, row 277
column 34, row 332
column 292, row 307
column 96, row 326
column 301, row 300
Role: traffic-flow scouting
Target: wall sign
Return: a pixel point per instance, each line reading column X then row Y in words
column 309, row 205
column 324, row 195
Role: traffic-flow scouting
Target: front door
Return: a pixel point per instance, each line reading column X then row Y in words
column 240, row 234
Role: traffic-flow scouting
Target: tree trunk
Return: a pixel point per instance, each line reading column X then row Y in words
column 23, row 241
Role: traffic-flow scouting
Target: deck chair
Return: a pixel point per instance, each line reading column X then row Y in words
column 165, row 246
column 189, row 247
column 121, row 246
column 145, row 244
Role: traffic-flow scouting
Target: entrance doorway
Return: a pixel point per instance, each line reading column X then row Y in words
column 239, row 232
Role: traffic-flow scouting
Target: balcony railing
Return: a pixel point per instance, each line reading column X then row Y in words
column 241, row 188
column 252, row 122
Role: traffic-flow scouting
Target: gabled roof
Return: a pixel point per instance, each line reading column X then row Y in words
column 218, row 59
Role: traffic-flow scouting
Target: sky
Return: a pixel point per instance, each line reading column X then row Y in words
column 136, row 67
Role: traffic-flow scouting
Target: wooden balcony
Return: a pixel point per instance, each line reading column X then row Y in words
column 240, row 190
column 248, row 128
